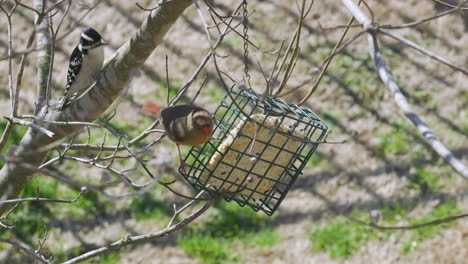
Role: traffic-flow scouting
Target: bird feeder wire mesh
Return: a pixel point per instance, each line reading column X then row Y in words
column 258, row 149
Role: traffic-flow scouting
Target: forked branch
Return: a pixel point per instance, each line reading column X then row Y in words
column 388, row 79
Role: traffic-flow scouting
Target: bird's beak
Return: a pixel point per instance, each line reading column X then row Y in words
column 103, row 42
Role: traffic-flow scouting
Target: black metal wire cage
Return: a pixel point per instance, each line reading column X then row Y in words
column 258, row 149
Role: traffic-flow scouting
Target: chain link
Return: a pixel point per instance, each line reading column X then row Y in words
column 246, row 43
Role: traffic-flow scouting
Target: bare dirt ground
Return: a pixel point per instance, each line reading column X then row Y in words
column 358, row 171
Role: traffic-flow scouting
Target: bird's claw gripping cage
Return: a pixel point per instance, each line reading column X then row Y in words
column 258, row 149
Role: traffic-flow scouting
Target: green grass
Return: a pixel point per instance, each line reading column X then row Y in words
column 318, row 159
column 394, row 141
column 15, row 137
column 147, row 207
column 212, row 241
column 360, row 80
column 32, row 217
column 425, row 180
column 207, row 247
column 341, row 238
column 233, row 42
column 217, row 94
column 420, row 234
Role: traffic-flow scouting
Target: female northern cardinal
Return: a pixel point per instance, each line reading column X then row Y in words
column 184, row 124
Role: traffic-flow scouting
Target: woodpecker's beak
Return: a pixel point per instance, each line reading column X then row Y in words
column 103, row 42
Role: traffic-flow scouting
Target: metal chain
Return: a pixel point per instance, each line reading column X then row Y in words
column 246, row 43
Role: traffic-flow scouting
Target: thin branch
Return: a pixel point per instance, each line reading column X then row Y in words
column 295, row 50
column 389, row 81
column 19, row 77
column 178, row 212
column 18, row 53
column 9, row 126
column 424, row 20
column 194, row 76
column 44, row 56
column 233, row 29
column 52, row 51
column 142, row 238
column 448, row 5
column 26, row 250
column 6, row 135
column 202, row 17
column 18, row 2
column 327, row 63
column 168, row 87
column 149, row 9
column 387, row 78
column 423, row 50
column 408, row 227
column 6, row 217
column 18, row 121
column 35, row 199
column 197, row 93
column 10, row 48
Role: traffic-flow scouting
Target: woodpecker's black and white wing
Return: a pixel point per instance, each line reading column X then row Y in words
column 74, row 67
column 76, row 60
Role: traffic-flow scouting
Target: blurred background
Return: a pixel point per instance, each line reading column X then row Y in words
column 388, row 166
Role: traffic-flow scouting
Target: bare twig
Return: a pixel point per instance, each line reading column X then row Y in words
column 324, row 63
column 233, row 29
column 5, row 135
column 168, row 87
column 408, row 227
column 448, row 5
column 327, row 63
column 197, row 93
column 179, row 211
column 423, row 50
column 149, row 9
column 36, row 199
column 194, row 76
column 424, row 20
column 9, row 127
column 44, row 56
column 8, row 14
column 387, row 78
column 400, row 99
column 26, row 250
column 142, row 238
column 18, row 121
column 6, row 217
column 53, row 39
column 202, row 17
column 295, row 49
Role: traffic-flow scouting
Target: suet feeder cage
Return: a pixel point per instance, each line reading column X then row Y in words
column 258, row 149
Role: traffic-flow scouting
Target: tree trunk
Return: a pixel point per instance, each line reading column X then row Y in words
column 24, row 160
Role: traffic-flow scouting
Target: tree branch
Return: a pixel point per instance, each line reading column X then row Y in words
column 28, row 251
column 44, row 55
column 142, row 238
column 36, row 199
column 387, row 78
column 423, row 50
column 109, row 84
